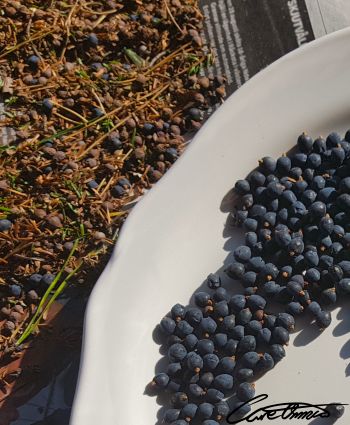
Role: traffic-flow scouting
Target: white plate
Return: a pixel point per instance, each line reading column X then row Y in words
column 175, row 237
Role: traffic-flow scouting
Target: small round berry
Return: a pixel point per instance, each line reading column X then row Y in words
column 93, row 39
column 245, row 391
column 223, row 382
column 161, row 380
column 213, row 281
column 168, row 325
column 280, row 335
column 305, row 143
column 117, row 191
column 5, row 225
column 177, row 353
column 15, row 290
column 242, row 187
column 33, row 61
column 323, row 319
column 277, row 352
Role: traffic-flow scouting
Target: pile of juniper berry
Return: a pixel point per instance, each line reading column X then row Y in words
column 296, row 215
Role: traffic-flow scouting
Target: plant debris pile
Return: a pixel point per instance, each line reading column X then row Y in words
column 99, row 98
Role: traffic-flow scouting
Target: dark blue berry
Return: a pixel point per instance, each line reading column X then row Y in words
column 161, row 380
column 92, row 184
column 171, row 154
column 343, row 286
column 227, row 364
column 294, row 308
column 178, row 312
column 318, row 209
column 228, row 323
column 33, row 61
column 250, row 224
column 223, row 382
column 124, row 182
column 15, row 290
column 256, row 178
column 295, row 246
column 168, row 325
column 206, row 379
column 256, row 302
column 93, row 39
column 318, row 183
column 237, row 303
column 250, row 359
column 210, row 361
column 235, row 270
column 47, row 105
column 205, row 346
column 283, row 164
column 190, row 342
column 239, row 411
column 327, row 195
column 194, row 362
column 231, row 347
column 214, row 395
column 242, row 253
column 220, row 340
column 256, row 264
column 195, row 114
column 244, row 316
column 288, row 197
column 285, row 320
column 277, row 352
column 195, row 390
column 280, row 335
column 183, row 328
column 237, row 332
column 179, row 400
column 313, row 308
column 205, row 411
column 242, row 187
column 268, row 164
column 202, row 299
column 265, row 363
column 264, row 336
column 214, row 281
column 323, row 319
column 189, row 411
column 220, row 294
column 171, row 415
column 47, row 279
column 305, row 143
column 5, row 225
column 319, row 145
column 245, row 391
column 221, row 410
column 177, row 353
column 249, row 279
column 244, row 375
column 194, row 316
column 174, row 369
column 247, row 343
column 117, row 191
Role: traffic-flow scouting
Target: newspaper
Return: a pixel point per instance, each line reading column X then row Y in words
column 248, row 35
